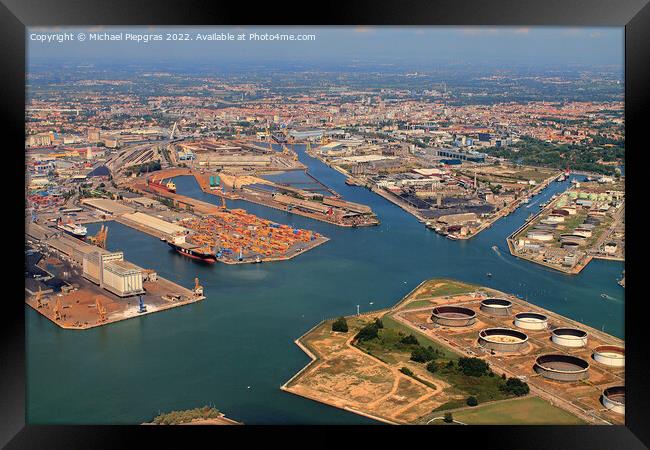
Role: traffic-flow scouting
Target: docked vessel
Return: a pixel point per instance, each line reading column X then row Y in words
column 169, row 186
column 78, row 231
column 193, row 251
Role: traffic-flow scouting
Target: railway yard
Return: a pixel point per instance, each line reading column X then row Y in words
column 572, row 369
column 587, row 221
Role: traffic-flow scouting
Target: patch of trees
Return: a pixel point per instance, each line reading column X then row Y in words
column 473, row 367
column 176, row 417
column 409, row 340
column 424, row 354
column 340, row 325
column 516, row 387
column 583, row 157
column 370, row 331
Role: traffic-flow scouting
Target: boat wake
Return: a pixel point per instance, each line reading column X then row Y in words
column 609, row 297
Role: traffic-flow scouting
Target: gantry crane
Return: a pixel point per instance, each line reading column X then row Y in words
column 198, row 289
column 100, row 238
column 39, row 298
column 287, row 152
column 101, row 309
column 57, row 309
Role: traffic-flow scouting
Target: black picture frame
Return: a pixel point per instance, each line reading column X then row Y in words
column 15, row 15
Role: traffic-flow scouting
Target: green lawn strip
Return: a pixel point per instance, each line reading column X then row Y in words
column 448, row 288
column 417, row 304
column 524, row 411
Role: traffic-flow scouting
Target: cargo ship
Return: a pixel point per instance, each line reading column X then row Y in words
column 193, row 251
column 170, row 186
column 72, row 229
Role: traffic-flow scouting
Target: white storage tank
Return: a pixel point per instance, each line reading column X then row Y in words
column 569, row 337
column 614, row 399
column 531, row 321
column 610, row 355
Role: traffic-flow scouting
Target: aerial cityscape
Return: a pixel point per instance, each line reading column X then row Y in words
column 353, row 225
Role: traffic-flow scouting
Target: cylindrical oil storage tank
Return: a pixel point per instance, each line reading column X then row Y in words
column 569, row 337
column 569, row 245
column 503, row 340
column 614, row 399
column 561, row 367
column 531, row 321
column 610, row 355
column 496, row 306
column 453, row 316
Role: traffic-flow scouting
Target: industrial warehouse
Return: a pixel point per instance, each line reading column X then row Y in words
column 585, row 222
column 79, row 285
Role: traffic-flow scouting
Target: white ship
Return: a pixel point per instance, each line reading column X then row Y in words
column 78, row 231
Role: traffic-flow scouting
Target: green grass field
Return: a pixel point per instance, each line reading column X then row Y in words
column 391, row 324
column 524, row 411
column 450, row 287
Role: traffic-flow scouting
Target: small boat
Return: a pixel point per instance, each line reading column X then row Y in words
column 489, row 274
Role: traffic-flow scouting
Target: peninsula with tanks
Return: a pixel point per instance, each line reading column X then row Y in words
column 450, row 349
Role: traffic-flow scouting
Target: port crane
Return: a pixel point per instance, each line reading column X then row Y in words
column 57, row 309
column 285, row 130
column 100, row 238
column 198, row 289
column 287, row 152
column 101, row 310
column 39, row 298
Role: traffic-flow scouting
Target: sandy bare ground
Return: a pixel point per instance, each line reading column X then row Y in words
column 345, row 377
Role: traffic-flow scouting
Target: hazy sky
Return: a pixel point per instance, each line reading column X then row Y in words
column 393, row 45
